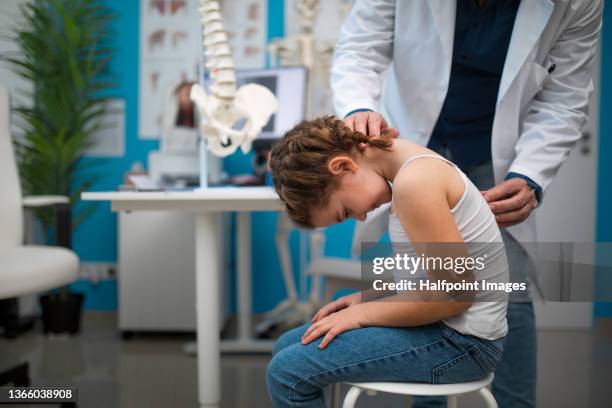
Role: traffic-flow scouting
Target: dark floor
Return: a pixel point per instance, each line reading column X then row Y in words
column 575, row 369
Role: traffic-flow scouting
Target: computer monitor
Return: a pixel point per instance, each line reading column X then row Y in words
column 289, row 86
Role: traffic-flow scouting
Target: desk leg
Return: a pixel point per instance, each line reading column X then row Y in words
column 243, row 253
column 207, row 309
column 244, row 342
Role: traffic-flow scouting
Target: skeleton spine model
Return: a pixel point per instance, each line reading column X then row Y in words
column 231, row 117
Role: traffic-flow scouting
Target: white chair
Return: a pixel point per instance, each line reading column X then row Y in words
column 452, row 391
column 27, row 269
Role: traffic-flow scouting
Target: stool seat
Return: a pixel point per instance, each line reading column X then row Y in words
column 452, row 391
column 425, row 389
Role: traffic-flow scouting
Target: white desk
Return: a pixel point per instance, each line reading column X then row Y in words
column 207, row 205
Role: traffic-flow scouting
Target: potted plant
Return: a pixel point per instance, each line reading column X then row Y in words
column 64, row 53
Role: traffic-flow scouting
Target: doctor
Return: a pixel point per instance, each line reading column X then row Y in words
column 501, row 87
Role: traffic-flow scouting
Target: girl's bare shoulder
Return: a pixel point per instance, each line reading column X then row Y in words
column 427, row 177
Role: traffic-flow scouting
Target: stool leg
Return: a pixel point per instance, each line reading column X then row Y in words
column 351, row 397
column 451, row 401
column 335, row 395
column 488, row 397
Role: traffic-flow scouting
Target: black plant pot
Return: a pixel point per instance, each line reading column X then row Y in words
column 61, row 312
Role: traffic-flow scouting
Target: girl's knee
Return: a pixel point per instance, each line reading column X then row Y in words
column 289, row 338
column 277, row 372
column 289, row 364
column 288, row 379
column 278, row 381
column 281, row 343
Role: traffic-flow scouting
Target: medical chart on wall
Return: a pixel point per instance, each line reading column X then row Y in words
column 330, row 17
column 246, row 23
column 170, row 52
column 171, row 49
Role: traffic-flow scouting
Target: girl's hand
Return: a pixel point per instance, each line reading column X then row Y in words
column 336, row 305
column 344, row 320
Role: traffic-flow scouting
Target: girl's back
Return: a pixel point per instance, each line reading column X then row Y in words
column 487, row 316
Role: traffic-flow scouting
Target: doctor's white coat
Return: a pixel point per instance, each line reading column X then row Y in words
column 394, row 56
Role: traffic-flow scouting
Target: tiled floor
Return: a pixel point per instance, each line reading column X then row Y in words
column 575, row 369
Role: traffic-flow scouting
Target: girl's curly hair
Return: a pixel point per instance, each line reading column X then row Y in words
column 299, row 163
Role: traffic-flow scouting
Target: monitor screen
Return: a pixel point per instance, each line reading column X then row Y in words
column 289, row 86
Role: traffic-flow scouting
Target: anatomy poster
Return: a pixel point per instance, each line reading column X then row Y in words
column 170, row 52
column 171, row 48
column 246, row 23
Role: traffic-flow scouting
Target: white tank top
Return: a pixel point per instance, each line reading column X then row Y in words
column 476, row 222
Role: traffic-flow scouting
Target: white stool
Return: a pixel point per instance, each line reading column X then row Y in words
column 451, row 390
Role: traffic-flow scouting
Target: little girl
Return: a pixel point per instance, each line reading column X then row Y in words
column 323, row 178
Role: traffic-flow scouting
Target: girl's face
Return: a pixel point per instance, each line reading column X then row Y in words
column 360, row 191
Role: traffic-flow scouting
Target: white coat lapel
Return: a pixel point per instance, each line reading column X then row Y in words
column 443, row 12
column 531, row 19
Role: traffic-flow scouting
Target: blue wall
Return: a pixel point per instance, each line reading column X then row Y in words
column 604, row 198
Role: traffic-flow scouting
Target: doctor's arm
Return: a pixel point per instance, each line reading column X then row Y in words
column 363, row 52
column 554, row 118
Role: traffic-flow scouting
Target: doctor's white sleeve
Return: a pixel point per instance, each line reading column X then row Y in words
column 553, row 120
column 363, row 52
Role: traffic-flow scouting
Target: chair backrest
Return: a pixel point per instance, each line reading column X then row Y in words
column 11, row 212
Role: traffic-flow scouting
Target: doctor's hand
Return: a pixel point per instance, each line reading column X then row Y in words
column 332, row 325
column 511, row 201
column 371, row 124
column 338, row 304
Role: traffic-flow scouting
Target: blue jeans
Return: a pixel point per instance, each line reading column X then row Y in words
column 514, row 385
column 434, row 353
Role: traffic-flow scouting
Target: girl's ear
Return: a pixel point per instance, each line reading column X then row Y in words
column 340, row 164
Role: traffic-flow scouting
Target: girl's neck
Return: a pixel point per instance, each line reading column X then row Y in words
column 387, row 163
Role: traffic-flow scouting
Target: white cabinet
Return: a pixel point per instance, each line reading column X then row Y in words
column 156, row 273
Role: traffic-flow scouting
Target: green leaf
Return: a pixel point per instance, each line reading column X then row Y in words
column 64, row 53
